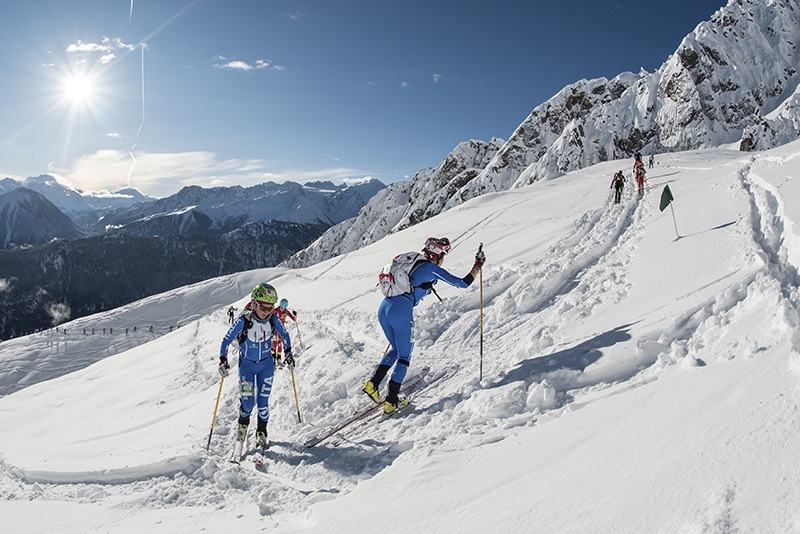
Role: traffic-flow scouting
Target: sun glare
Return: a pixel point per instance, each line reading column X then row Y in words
column 78, row 90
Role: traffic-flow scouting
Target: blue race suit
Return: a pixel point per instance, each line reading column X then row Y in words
column 396, row 314
column 256, row 366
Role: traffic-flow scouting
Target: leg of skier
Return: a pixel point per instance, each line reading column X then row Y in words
column 400, row 332
column 395, row 317
column 263, row 383
column 246, row 404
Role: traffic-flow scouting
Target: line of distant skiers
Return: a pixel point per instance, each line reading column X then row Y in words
column 108, row 330
column 618, row 182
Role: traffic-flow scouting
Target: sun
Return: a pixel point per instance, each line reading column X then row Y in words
column 78, row 89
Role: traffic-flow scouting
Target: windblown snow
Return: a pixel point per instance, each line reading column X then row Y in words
column 633, row 379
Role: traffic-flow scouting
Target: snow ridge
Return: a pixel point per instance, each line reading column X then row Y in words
column 731, row 80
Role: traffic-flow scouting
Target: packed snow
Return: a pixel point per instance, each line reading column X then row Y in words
column 633, row 379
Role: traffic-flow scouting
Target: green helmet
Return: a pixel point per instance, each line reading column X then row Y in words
column 265, row 293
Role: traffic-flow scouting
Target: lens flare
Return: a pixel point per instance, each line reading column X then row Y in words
column 79, row 89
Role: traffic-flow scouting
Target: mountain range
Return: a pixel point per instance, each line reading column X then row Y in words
column 733, row 80
column 74, row 202
column 68, row 253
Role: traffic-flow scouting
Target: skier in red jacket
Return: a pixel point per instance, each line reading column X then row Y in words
column 639, row 172
column 282, row 312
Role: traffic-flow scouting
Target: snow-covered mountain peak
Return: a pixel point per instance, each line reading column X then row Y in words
column 28, row 218
column 731, row 80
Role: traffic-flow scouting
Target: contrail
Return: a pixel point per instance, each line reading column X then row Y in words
column 141, row 124
column 130, row 17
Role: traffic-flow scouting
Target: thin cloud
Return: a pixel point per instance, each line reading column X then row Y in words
column 436, row 77
column 106, row 47
column 260, row 64
column 405, row 84
column 80, row 46
column 235, row 65
column 163, row 174
column 58, row 313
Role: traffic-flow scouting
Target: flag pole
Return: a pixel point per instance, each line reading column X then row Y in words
column 666, row 200
column 674, row 222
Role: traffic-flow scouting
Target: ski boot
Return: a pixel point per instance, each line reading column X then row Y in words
column 372, row 391
column 392, row 407
column 238, row 446
column 373, row 384
column 393, row 402
column 261, row 443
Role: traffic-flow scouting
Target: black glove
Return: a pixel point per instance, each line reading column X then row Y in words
column 480, row 259
column 288, row 359
column 224, row 367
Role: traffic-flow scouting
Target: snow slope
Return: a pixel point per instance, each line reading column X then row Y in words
column 633, row 381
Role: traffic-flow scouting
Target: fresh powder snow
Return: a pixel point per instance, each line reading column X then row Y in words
column 634, row 379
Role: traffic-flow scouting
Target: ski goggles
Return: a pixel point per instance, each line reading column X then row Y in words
column 264, row 306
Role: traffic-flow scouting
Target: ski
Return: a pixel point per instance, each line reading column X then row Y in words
column 444, row 374
column 238, row 452
column 411, row 393
column 365, row 413
column 260, row 454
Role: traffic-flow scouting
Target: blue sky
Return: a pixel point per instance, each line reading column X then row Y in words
column 158, row 94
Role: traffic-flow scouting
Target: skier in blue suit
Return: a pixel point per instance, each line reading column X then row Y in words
column 256, row 363
column 396, row 317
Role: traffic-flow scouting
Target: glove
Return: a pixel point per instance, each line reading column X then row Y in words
column 224, row 367
column 288, row 359
column 480, row 259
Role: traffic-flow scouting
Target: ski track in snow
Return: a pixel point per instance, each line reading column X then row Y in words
column 536, row 366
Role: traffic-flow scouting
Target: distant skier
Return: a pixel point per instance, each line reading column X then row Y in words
column 618, row 184
column 639, row 172
column 253, row 330
column 231, row 314
column 651, row 161
column 281, row 312
column 396, row 317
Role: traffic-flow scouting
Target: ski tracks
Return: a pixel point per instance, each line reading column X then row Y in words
column 583, row 270
column 740, row 306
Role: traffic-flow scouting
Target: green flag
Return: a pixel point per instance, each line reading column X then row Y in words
column 666, row 198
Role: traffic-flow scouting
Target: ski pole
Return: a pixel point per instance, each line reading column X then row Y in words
column 296, row 401
column 480, row 276
column 214, row 419
column 298, row 335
